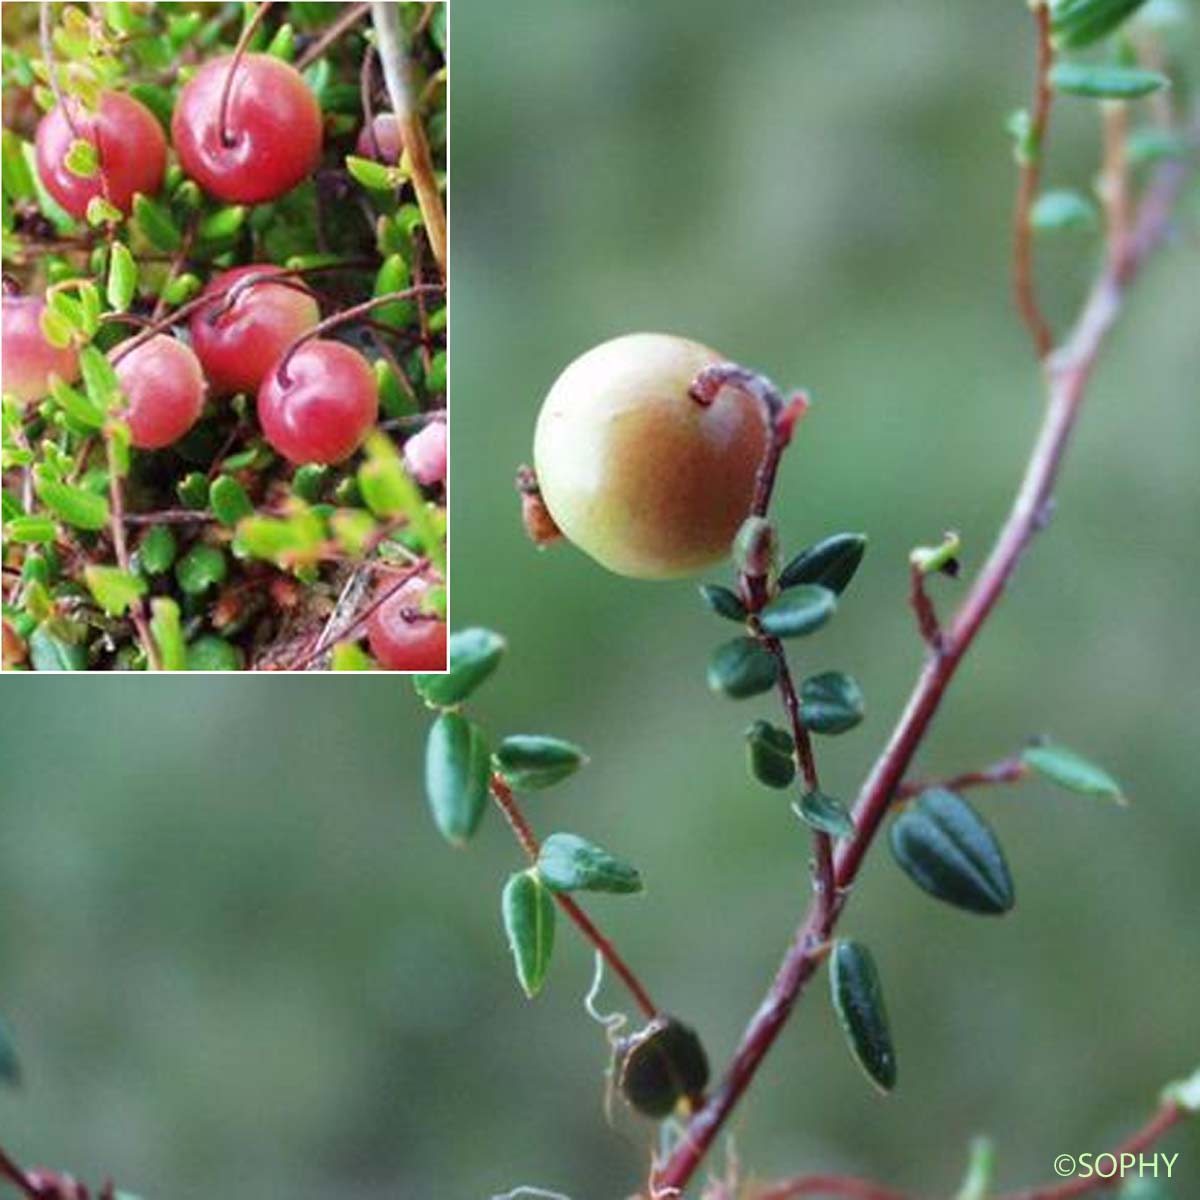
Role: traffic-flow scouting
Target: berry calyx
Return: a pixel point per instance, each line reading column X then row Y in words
column 270, row 139
column 402, row 637
column 381, row 139
column 29, row 359
column 318, row 403
column 130, row 147
column 425, row 454
column 238, row 343
column 164, row 390
column 634, row 470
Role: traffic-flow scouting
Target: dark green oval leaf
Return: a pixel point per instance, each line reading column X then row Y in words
column 831, row 562
column 457, row 771
column 74, row 505
column 802, row 610
column 824, row 813
column 114, row 590
column 229, row 500
column 1078, row 23
column 1064, row 210
column 946, row 848
column 212, row 653
column 48, row 652
column 858, row 1002
column 474, row 654
column 770, row 753
column 568, row 863
column 1073, row 771
column 10, row 1066
column 156, row 223
column 201, row 568
column 531, row 761
column 528, row 910
column 741, row 668
column 831, row 702
column 157, row 550
column 722, row 601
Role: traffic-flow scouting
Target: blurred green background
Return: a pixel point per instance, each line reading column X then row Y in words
column 236, row 957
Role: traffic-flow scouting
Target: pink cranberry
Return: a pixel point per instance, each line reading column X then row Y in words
column 318, row 405
column 387, row 145
column 130, row 145
column 240, row 345
column 425, row 454
column 29, row 360
column 164, row 391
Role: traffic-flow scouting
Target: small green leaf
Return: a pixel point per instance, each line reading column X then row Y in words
column 81, row 159
column 56, row 328
column 18, row 179
column 771, row 755
column 192, row 490
column 101, row 212
column 349, row 656
column 212, row 653
column 858, row 1002
column 457, row 772
column 1184, row 1092
column 116, row 591
column 1152, row 145
column 825, row 813
column 201, row 568
column 309, row 480
column 369, row 173
column 229, row 500
column 156, row 223
column 741, row 668
column 944, row 846
column 123, row 277
column 800, row 611
column 167, row 633
column 1078, row 23
column 474, row 654
column 224, row 223
column 394, row 276
column 528, row 910
column 1064, row 210
column 76, row 405
column 48, row 652
column 99, row 378
column 831, row 702
column 1104, row 82
column 567, row 863
column 660, row 1065
column 942, row 557
column 529, row 762
column 831, row 562
column 283, row 44
column 10, row 1066
column 31, row 531
column 1073, row 771
column 74, row 505
column 157, row 550
column 181, row 288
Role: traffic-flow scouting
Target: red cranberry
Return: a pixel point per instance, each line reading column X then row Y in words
column 28, row 358
column 243, row 342
column 272, row 135
column 425, row 454
column 164, row 391
column 387, row 145
column 129, row 143
column 322, row 404
column 401, row 637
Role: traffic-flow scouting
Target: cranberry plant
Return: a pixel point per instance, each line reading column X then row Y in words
column 224, row 336
column 658, row 457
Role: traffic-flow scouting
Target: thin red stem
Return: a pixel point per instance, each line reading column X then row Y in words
column 19, row 1178
column 1007, row 770
column 528, row 841
column 1068, row 375
column 1028, row 182
column 239, row 51
column 830, row 1185
column 351, row 17
column 922, row 605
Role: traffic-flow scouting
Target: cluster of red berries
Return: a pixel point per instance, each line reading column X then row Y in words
column 249, row 147
column 245, row 139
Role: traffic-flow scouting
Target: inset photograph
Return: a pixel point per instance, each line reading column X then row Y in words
column 224, row 337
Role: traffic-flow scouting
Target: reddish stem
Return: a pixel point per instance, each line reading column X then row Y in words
column 830, row 1185
column 351, row 17
column 1007, row 770
column 19, row 1178
column 227, row 139
column 927, row 618
column 523, row 832
column 1067, row 375
column 1028, row 182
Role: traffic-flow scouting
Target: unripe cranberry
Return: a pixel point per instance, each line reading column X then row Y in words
column 635, row 471
column 321, row 405
column 164, row 391
column 28, row 359
column 238, row 344
column 129, row 144
column 387, row 145
column 272, row 133
column 401, row 637
column 425, row 454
